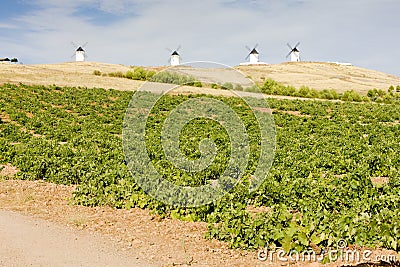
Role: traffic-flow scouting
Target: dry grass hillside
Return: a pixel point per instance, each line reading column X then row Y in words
column 320, row 75
column 67, row 74
column 312, row 74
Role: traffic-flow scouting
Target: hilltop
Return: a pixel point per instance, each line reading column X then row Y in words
column 322, row 75
column 318, row 75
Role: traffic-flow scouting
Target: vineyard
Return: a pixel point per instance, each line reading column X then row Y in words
column 335, row 174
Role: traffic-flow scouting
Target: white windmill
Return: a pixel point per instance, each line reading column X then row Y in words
column 253, row 55
column 294, row 53
column 80, row 53
column 175, row 58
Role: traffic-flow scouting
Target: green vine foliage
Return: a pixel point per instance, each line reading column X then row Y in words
column 319, row 189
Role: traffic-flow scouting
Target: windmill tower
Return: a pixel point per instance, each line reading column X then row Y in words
column 294, row 53
column 80, row 53
column 253, row 55
column 175, row 58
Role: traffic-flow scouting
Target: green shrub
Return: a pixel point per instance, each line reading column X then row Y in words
column 373, row 94
column 117, row 74
column 175, row 78
column 329, row 94
column 314, row 93
column 227, row 86
column 377, row 95
column 272, row 87
column 150, row 74
column 254, row 89
column 289, row 90
column 97, row 72
column 197, row 84
column 129, row 74
column 351, row 95
column 214, row 86
column 366, row 99
column 139, row 74
column 238, row 87
column 381, row 93
column 304, row 91
column 194, row 83
column 388, row 99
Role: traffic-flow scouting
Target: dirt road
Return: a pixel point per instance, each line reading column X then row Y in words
column 133, row 237
column 28, row 241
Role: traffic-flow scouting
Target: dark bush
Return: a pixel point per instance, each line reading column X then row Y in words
column 97, row 72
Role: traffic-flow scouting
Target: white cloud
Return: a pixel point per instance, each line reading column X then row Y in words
column 7, row 26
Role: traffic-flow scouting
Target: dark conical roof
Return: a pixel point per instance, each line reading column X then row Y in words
column 80, row 49
column 175, row 53
column 5, row 59
column 254, row 51
column 295, row 50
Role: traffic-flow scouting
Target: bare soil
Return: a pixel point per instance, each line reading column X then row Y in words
column 7, row 170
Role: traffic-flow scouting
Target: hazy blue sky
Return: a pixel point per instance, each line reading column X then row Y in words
column 136, row 32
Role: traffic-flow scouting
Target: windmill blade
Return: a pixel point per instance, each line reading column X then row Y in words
column 248, row 48
column 74, row 44
column 85, row 44
column 255, row 46
column 169, row 49
column 298, row 43
column 289, row 46
column 179, row 47
column 246, row 58
column 288, row 54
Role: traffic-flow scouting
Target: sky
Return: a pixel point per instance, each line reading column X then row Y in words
column 137, row 32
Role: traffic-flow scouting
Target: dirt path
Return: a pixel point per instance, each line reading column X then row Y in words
column 27, row 241
column 137, row 235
